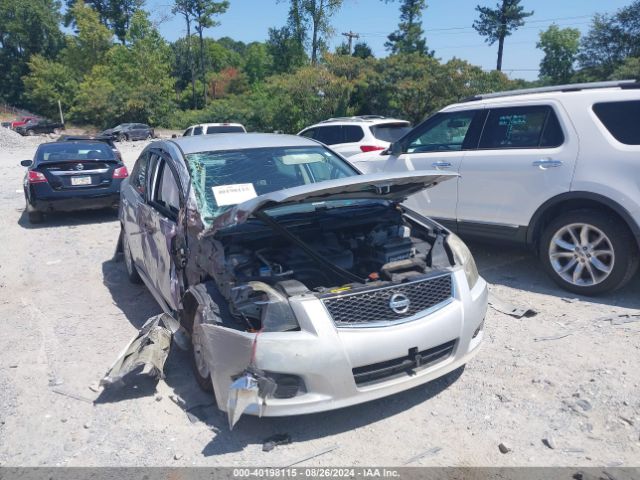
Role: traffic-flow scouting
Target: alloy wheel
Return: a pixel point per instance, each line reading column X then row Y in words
column 581, row 254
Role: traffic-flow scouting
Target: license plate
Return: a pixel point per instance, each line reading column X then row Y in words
column 80, row 180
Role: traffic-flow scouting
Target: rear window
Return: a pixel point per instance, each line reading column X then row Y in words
column 390, row 132
column 59, row 152
column 622, row 119
column 225, row 129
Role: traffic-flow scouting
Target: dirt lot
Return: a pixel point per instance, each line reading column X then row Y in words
column 67, row 311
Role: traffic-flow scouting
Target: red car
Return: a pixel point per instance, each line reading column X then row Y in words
column 22, row 121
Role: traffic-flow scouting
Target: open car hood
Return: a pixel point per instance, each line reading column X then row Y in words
column 395, row 186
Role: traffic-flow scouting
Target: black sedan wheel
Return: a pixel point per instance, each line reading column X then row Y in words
column 132, row 271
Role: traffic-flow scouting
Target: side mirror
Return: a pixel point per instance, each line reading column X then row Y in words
column 26, row 163
column 396, row 149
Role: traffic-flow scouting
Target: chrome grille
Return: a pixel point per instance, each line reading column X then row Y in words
column 373, row 305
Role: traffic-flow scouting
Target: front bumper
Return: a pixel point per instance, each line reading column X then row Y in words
column 324, row 356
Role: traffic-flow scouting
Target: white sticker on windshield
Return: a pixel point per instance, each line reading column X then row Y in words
column 233, row 194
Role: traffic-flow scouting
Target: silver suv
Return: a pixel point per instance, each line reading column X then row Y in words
column 303, row 285
column 555, row 169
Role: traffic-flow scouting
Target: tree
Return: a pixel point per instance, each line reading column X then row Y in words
column 498, row 23
column 26, row 29
column 258, row 63
column 183, row 8
column 285, row 49
column 610, row 41
column 114, row 14
column 134, row 83
column 362, row 50
column 47, row 83
column 409, row 38
column 203, row 12
column 560, row 46
column 318, row 13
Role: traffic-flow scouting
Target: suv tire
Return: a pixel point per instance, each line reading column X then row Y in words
column 588, row 252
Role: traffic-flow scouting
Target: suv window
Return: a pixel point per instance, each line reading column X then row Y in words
column 622, row 119
column 187, row 132
column 139, row 174
column 329, row 135
column 309, row 133
column 442, row 132
column 390, row 132
column 197, row 131
column 352, row 133
column 521, row 127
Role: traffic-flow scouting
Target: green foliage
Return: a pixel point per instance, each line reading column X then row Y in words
column 47, row 82
column 495, row 24
column 630, row 69
column 362, row 50
column 610, row 41
column 287, row 52
column 133, row 84
column 409, row 38
column 258, row 62
column 560, row 47
column 26, row 29
column 114, row 14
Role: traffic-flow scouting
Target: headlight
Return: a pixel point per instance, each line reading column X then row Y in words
column 463, row 257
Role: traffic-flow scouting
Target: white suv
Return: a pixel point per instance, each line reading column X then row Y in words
column 352, row 135
column 209, row 128
column 555, row 168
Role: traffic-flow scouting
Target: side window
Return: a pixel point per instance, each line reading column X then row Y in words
column 308, row 133
column 197, row 131
column 187, row 132
column 552, row 135
column 352, row 133
column 520, row 127
column 166, row 194
column 329, row 135
column 139, row 174
column 622, row 119
column 444, row 132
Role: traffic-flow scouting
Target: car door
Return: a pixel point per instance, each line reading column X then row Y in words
column 160, row 221
column 525, row 156
column 352, row 136
column 133, row 203
column 439, row 143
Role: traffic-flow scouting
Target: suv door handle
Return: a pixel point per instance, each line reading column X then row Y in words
column 547, row 163
column 441, row 164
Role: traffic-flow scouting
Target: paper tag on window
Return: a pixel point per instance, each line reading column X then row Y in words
column 233, row 194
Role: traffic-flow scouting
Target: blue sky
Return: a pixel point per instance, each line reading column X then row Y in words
column 447, row 24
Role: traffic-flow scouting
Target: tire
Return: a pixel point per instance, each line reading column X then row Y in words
column 132, row 271
column 56, row 131
column 35, row 217
column 588, row 252
column 31, row 133
column 121, row 137
column 213, row 312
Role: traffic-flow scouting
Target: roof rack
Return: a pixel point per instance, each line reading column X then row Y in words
column 556, row 88
column 356, row 118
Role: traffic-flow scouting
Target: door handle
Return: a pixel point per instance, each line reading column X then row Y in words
column 441, row 164
column 547, row 163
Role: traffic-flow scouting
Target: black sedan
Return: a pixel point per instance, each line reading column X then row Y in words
column 37, row 126
column 129, row 131
column 66, row 176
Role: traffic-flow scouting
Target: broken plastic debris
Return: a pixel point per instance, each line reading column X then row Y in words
column 275, row 440
column 501, row 306
column 243, row 392
column 148, row 349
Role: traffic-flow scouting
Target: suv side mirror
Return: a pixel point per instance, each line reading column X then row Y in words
column 396, row 148
column 26, row 163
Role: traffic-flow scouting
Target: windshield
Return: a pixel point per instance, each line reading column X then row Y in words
column 390, row 132
column 225, row 129
column 60, row 152
column 221, row 179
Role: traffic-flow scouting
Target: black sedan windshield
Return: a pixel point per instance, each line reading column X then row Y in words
column 221, row 179
column 62, row 151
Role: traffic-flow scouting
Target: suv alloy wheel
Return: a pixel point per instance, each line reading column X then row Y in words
column 588, row 252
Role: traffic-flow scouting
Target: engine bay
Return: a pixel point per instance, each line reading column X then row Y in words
column 380, row 247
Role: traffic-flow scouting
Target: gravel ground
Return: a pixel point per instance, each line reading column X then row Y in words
column 68, row 311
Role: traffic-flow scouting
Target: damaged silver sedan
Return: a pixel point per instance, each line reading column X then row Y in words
column 303, row 285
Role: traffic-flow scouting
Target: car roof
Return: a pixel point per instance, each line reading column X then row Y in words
column 233, row 141
column 225, row 124
column 362, row 120
column 77, row 142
